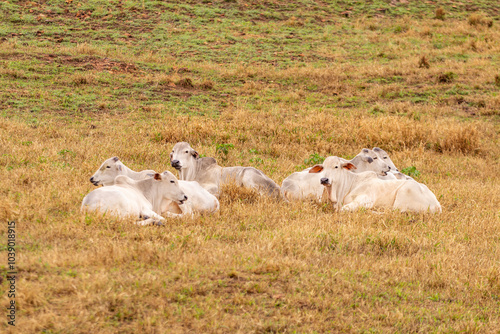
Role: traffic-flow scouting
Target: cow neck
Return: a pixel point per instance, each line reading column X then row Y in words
column 356, row 161
column 346, row 184
column 130, row 173
column 191, row 173
column 148, row 189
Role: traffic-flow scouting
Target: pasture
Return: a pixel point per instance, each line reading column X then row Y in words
column 272, row 84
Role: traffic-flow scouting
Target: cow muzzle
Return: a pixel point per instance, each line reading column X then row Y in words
column 94, row 182
column 176, row 164
column 183, row 200
column 325, row 181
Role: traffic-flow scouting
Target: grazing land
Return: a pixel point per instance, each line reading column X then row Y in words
column 278, row 85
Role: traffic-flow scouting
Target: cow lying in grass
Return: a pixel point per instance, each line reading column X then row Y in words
column 212, row 177
column 199, row 200
column 142, row 199
column 302, row 185
column 349, row 191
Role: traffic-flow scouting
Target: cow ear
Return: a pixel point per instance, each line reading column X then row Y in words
column 348, row 166
column 195, row 154
column 365, row 150
column 115, row 159
column 157, row 176
column 150, row 174
column 368, row 159
column 316, row 169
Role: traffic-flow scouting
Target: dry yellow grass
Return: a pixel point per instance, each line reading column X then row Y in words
column 259, row 265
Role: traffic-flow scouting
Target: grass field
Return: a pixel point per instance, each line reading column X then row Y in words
column 273, row 84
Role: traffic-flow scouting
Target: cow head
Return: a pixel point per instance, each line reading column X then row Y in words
column 333, row 168
column 368, row 160
column 183, row 156
column 382, row 155
column 164, row 191
column 170, row 187
column 106, row 174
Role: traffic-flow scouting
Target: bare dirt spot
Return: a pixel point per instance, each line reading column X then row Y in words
column 92, row 63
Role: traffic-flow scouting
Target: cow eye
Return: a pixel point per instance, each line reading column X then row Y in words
column 172, row 181
column 336, row 166
column 375, row 158
column 385, row 157
column 187, row 151
column 108, row 166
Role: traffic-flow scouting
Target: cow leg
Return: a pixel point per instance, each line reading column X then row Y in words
column 150, row 218
column 148, row 221
column 360, row 202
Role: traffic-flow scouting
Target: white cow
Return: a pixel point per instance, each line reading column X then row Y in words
column 349, row 191
column 142, row 199
column 113, row 167
column 381, row 154
column 212, row 176
column 199, row 199
column 302, row 185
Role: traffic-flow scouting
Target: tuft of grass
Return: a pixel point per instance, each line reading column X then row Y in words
column 423, row 62
column 479, row 19
column 207, row 85
column 185, row 83
column 79, row 79
column 440, row 14
column 446, row 77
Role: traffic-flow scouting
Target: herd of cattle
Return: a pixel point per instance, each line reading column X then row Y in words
column 369, row 180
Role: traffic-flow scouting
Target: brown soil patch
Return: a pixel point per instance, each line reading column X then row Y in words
column 92, row 63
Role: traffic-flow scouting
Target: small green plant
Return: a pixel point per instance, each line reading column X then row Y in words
column 314, row 159
column 65, row 152
column 376, row 110
column 223, row 149
column 158, row 137
column 434, row 297
column 256, row 160
column 411, row 171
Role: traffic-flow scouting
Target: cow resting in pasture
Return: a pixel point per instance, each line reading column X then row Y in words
column 349, row 191
column 302, row 185
column 142, row 199
column 211, row 176
column 199, row 200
